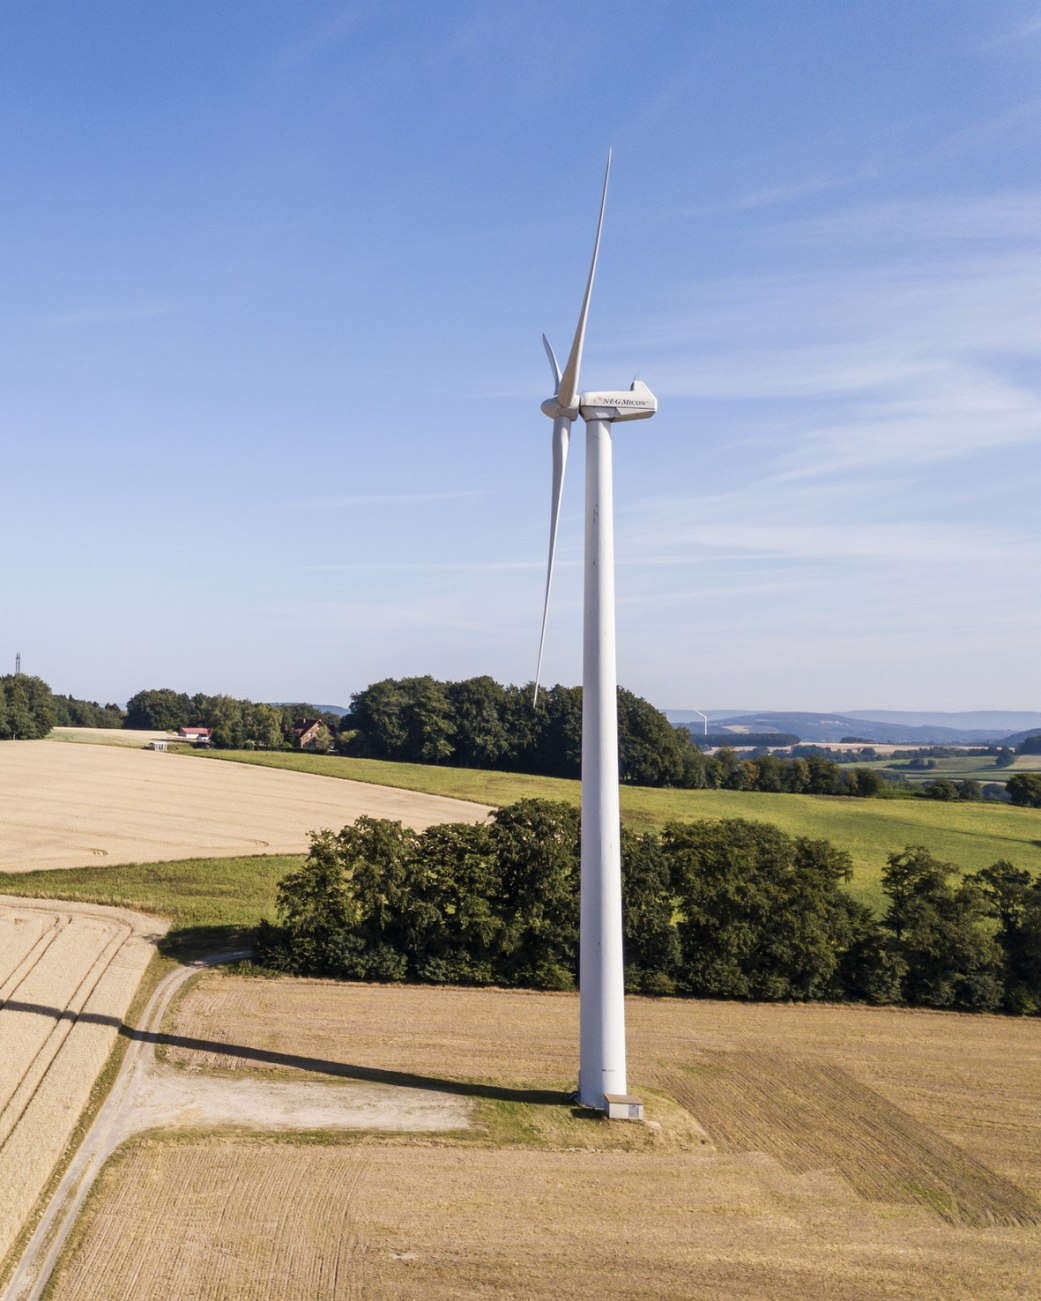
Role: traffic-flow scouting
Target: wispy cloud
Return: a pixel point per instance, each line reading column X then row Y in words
column 1007, row 215
column 952, row 413
column 391, row 498
column 887, row 354
column 322, row 37
column 429, row 567
column 1011, row 129
column 1015, row 36
column 114, row 314
column 789, row 192
column 827, row 543
column 660, row 103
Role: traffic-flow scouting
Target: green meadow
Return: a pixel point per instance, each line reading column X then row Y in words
column 979, row 768
column 972, row 835
column 210, row 902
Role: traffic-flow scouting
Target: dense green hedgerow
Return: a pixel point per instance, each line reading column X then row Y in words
column 722, row 908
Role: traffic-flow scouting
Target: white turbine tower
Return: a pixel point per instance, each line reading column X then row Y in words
column 601, row 987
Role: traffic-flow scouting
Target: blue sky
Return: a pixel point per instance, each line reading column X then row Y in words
column 274, row 276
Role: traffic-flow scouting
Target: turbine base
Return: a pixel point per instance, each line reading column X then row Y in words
column 622, row 1106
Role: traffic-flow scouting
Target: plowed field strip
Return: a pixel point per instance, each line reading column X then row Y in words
column 40, row 931
column 64, row 1022
column 249, row 1221
column 235, row 1222
column 34, row 1024
column 814, row 1116
column 69, row 982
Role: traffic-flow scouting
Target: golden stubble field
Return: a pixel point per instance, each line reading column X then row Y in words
column 73, row 805
column 67, row 975
column 796, row 1152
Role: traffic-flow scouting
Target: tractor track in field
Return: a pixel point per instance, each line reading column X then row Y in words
column 111, row 1126
column 68, row 972
column 46, row 1052
column 149, row 1095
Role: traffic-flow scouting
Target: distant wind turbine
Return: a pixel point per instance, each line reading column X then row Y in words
column 602, row 1066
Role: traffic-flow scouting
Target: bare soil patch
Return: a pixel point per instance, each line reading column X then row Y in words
column 67, row 975
column 169, row 1099
column 232, row 1222
column 74, row 805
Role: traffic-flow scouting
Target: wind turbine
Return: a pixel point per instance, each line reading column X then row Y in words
column 602, row 1071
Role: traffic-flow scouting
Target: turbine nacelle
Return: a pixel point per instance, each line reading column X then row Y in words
column 635, row 403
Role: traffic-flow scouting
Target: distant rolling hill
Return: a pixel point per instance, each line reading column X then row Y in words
column 322, row 709
column 1017, row 738
column 888, row 727
column 998, row 722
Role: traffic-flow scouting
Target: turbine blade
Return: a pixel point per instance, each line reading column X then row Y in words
column 554, row 365
column 568, row 389
column 561, row 440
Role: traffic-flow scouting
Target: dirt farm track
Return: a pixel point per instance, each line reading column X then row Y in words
column 65, row 805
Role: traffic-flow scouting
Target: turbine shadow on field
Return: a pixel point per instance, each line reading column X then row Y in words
column 316, row 1065
column 346, row 1070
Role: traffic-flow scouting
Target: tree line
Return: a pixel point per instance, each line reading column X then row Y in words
column 27, row 710
column 721, row 908
column 70, row 712
column 478, row 723
column 234, row 724
column 747, row 740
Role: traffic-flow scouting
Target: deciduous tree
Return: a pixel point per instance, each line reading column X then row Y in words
column 936, row 932
column 1025, row 789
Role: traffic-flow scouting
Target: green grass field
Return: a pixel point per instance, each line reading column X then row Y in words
column 459, row 783
column 958, row 768
column 972, row 835
column 209, row 901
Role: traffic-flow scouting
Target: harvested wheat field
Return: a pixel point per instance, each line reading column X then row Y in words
column 796, row 1152
column 134, row 738
column 241, row 1219
column 73, row 805
column 974, row 1081
column 67, row 975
